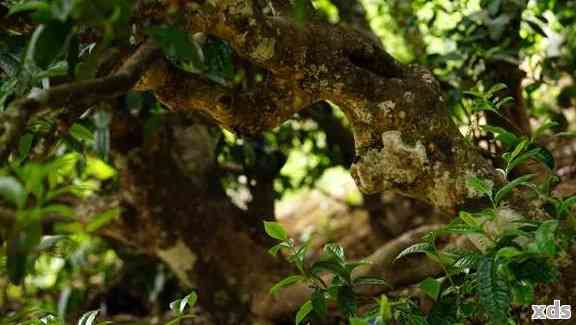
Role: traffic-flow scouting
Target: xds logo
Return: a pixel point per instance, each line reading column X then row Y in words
column 555, row 311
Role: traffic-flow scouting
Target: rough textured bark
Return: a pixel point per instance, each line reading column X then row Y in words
column 404, row 137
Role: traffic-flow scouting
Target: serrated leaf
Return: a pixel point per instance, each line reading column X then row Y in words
column 303, row 312
column 414, row 249
column 431, row 287
column 469, row 260
column 286, row 282
column 334, row 250
column 88, row 318
column 12, row 191
column 506, row 189
column 275, row 230
column 494, row 295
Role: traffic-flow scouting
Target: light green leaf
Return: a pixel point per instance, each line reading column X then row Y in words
column 12, row 191
column 303, row 312
column 545, row 237
column 480, row 185
column 286, row 282
column 384, row 308
column 275, row 230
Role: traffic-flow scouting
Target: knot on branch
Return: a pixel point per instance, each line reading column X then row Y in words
column 395, row 164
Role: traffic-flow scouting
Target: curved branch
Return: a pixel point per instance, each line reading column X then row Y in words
column 78, row 94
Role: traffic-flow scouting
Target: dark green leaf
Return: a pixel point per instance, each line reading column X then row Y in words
column 431, row 287
column 319, row 302
column 346, row 301
column 47, row 42
column 494, row 294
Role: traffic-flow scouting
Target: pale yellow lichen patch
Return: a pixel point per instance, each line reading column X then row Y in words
column 265, row 49
column 409, row 97
column 387, row 106
column 395, row 163
column 237, row 7
column 181, row 261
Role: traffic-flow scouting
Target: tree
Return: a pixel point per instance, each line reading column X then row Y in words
column 244, row 66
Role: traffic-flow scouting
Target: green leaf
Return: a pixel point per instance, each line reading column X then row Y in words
column 80, row 132
column 47, row 43
column 545, row 237
column 303, row 312
column 177, row 44
column 102, row 219
column 431, row 287
column 334, row 250
column 496, row 88
column 358, row 321
column 384, row 308
column 416, row 248
column 522, row 180
column 88, row 318
column 24, row 146
column 346, row 301
column 276, row 248
column 507, row 138
column 286, row 282
column 102, row 134
column 494, row 295
column 523, row 293
column 331, row 267
column 28, row 6
column 179, row 306
column 319, row 302
column 12, row 191
column 468, row 260
column 479, row 185
column 469, row 219
column 275, row 230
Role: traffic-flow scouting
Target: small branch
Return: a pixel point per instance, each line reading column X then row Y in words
column 77, row 94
